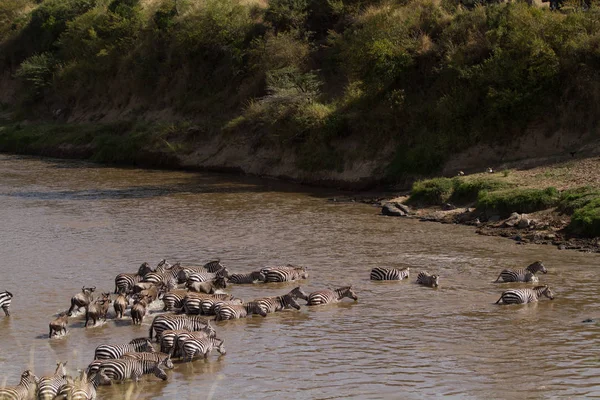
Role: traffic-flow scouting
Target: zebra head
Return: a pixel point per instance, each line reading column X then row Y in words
column 537, row 266
column 167, row 362
column 144, row 269
column 298, row 293
column 220, row 346
column 220, row 282
column 143, row 344
column 435, row 281
column 288, row 301
column 28, row 379
column 159, row 372
column 348, row 292
column 545, row 290
column 210, row 331
column 61, row 369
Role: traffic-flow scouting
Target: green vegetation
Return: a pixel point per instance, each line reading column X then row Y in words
column 586, row 220
column 505, row 202
column 458, row 190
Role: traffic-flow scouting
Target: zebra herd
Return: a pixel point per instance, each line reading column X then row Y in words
column 190, row 297
column 510, row 296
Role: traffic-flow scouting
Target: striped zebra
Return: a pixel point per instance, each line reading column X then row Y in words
column 522, row 275
column 165, row 281
column 235, row 311
column 156, row 357
column 24, row 390
column 162, row 266
column 162, row 323
column 108, row 351
column 278, row 303
column 213, row 266
column 522, row 296
column 83, row 388
column 330, row 296
column 173, row 299
column 389, row 274
column 206, row 276
column 284, row 273
column 168, row 340
column 424, row 278
column 48, row 386
column 122, row 369
column 5, row 300
column 209, row 306
column 192, row 347
column 201, row 303
column 240, row 279
column 124, row 282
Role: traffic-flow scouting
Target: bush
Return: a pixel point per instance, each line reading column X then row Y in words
column 505, row 202
column 573, row 199
column 37, row 73
column 586, row 220
column 467, row 191
column 431, row 191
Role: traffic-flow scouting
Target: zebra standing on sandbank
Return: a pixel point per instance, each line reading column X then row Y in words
column 522, row 275
column 24, row 390
column 108, row 351
column 327, row 296
column 426, row 279
column 522, row 296
column 5, row 300
column 49, row 386
column 389, row 274
column 122, row 369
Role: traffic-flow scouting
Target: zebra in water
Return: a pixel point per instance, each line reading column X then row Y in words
column 209, row 306
column 83, row 388
column 168, row 340
column 389, row 274
column 522, row 275
column 5, row 300
column 235, row 311
column 522, row 296
column 173, row 299
column 327, row 296
column 24, row 390
column 157, row 357
column 162, row 323
column 213, row 266
column 284, row 273
column 108, row 351
column 49, row 386
column 124, row 282
column 122, row 369
column 426, row 279
column 240, row 279
column 206, row 276
column 278, row 303
column 192, row 347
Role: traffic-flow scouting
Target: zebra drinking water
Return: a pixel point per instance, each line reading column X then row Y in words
column 389, row 274
column 5, row 300
column 24, row 390
column 108, row 351
column 49, row 386
column 426, row 279
column 522, row 275
column 522, row 296
column 327, row 296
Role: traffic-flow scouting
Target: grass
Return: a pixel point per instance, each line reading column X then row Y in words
column 505, row 202
column 458, row 190
column 585, row 221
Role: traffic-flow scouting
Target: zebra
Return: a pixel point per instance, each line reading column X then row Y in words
column 198, row 303
column 169, row 338
column 122, row 369
column 81, row 299
column 522, row 275
column 278, row 303
column 162, row 323
column 235, row 311
column 284, row 273
column 522, row 296
column 209, row 287
column 208, row 306
column 164, row 280
column 424, row 278
column 213, row 266
column 327, row 296
column 157, row 357
column 23, row 390
column 389, row 274
column 206, row 276
column 48, row 386
column 252, row 277
column 5, row 300
column 162, row 266
column 191, row 347
column 108, row 351
column 124, row 282
column 83, row 388
column 173, row 299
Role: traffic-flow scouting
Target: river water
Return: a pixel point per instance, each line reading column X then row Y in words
column 67, row 224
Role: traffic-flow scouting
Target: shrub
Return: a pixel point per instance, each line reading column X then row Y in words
column 37, row 73
column 467, row 191
column 505, row 202
column 586, row 220
column 431, row 191
column 573, row 199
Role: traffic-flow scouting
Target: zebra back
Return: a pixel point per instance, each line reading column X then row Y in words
column 177, row 322
column 284, row 273
column 23, row 390
column 5, row 300
column 327, row 296
column 110, row 351
column 389, row 274
column 48, row 386
column 251, row 277
column 424, row 278
column 122, row 369
column 523, row 296
column 192, row 346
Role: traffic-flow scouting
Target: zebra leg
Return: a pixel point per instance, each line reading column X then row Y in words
column 499, row 300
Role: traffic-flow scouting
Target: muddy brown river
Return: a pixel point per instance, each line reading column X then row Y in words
column 67, row 224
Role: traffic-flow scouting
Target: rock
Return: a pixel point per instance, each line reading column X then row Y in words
column 512, row 220
column 494, row 218
column 550, row 236
column 588, row 320
column 523, row 223
column 448, row 207
column 402, row 207
column 561, row 246
column 391, row 210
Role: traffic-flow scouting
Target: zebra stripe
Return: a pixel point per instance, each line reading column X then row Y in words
column 48, row 386
column 522, row 296
column 194, row 303
column 284, row 273
column 235, row 311
column 251, row 277
column 424, row 278
column 109, row 351
column 522, row 275
column 23, row 390
column 389, row 274
column 168, row 340
column 209, row 306
column 162, row 323
column 192, row 347
column 278, row 303
column 206, row 276
column 83, row 388
column 5, row 300
column 124, row 282
column 122, row 369
column 330, row 296
column 213, row 266
column 173, row 299
column 156, row 357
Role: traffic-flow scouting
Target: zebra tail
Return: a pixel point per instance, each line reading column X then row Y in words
column 498, row 278
column 150, row 330
column 499, row 300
